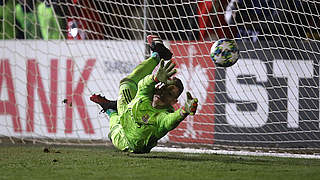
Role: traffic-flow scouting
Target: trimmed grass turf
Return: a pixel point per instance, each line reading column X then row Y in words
column 73, row 162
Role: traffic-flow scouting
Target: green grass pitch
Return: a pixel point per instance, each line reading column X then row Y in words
column 75, row 162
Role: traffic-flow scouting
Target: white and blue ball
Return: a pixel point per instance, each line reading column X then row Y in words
column 224, row 52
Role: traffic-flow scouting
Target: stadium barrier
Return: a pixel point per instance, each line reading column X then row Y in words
column 270, row 98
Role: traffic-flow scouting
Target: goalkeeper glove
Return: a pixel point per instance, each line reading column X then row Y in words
column 165, row 72
column 190, row 107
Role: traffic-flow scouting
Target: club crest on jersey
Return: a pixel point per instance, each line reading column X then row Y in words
column 145, row 118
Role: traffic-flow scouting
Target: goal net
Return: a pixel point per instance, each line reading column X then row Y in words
column 56, row 54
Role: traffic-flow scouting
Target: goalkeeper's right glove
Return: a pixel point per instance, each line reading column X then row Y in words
column 165, row 72
column 190, row 107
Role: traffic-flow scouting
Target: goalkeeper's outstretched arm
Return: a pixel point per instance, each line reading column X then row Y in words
column 170, row 121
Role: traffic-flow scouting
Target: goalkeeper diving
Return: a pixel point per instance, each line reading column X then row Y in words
column 143, row 113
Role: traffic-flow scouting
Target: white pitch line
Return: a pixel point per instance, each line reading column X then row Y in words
column 225, row 152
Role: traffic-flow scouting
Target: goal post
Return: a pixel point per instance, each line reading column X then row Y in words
column 50, row 66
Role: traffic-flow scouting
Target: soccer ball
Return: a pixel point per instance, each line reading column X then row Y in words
column 224, row 52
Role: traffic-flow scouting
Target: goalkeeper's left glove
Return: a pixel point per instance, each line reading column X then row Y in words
column 190, row 107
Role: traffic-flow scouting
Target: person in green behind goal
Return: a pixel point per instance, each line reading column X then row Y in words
column 143, row 113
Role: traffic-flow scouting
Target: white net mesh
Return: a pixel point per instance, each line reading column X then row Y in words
column 55, row 54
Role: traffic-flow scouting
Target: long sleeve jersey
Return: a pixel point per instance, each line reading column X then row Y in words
column 143, row 124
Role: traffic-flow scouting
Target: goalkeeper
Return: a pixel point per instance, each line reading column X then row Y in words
column 143, row 113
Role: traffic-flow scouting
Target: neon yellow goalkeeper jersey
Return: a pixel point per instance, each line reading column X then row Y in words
column 143, row 124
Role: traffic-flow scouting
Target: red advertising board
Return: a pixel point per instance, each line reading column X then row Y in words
column 197, row 71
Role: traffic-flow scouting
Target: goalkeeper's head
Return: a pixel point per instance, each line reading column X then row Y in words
column 169, row 94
